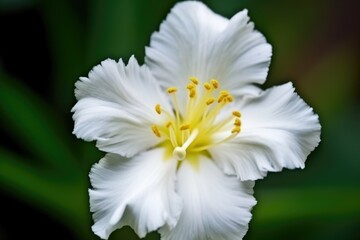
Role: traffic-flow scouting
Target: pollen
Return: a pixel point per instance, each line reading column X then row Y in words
column 156, row 130
column 158, row 108
column 214, row 83
column 237, row 122
column 184, row 127
column 195, row 80
column 236, row 114
column 190, row 86
column 229, row 98
column 207, row 86
column 224, row 92
column 172, row 90
column 192, row 93
column 169, row 124
column 235, row 130
column 210, row 101
column 221, row 98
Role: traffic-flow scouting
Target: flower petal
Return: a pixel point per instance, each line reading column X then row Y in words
column 139, row 192
column 194, row 41
column 278, row 130
column 216, row 206
column 116, row 107
column 241, row 56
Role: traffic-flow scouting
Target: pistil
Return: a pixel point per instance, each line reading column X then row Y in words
column 180, row 152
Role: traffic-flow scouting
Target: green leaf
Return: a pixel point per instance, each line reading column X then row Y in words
column 307, row 203
column 123, row 28
column 6, row 5
column 64, row 197
column 34, row 125
column 305, row 213
column 67, row 41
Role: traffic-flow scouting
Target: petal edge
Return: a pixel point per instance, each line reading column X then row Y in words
column 279, row 130
column 139, row 192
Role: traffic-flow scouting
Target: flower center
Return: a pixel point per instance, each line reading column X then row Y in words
column 195, row 129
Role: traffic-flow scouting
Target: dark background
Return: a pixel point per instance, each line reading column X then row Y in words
column 46, row 45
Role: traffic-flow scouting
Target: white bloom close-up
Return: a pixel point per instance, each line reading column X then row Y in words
column 188, row 132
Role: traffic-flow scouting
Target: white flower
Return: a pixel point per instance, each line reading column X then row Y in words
column 194, row 127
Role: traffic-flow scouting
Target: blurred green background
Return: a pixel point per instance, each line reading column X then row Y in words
column 46, row 45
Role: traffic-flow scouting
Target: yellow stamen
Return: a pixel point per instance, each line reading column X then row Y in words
column 221, row 98
column 172, row 135
column 155, row 130
column 204, row 147
column 169, row 124
column 194, row 80
column 214, row 83
column 158, row 108
column 236, row 114
column 237, row 122
column 184, row 127
column 224, row 92
column 193, row 126
column 192, row 93
column 236, row 130
column 210, row 101
column 207, row 86
column 190, row 86
column 171, row 89
column 229, row 98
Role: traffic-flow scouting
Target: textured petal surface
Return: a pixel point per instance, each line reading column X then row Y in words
column 216, row 206
column 139, row 192
column 194, row 41
column 278, row 130
column 116, row 107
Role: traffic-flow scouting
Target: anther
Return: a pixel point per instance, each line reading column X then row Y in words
column 158, row 108
column 237, row 122
column 184, row 127
column 207, row 86
column 229, row 98
column 169, row 124
column 210, row 101
column 236, row 130
column 192, row 93
column 171, row 89
column 236, row 114
column 194, row 80
column 221, row 98
column 214, row 83
column 224, row 92
column 190, row 86
column 223, row 95
column 155, row 130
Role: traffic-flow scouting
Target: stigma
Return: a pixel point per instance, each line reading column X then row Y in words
column 194, row 129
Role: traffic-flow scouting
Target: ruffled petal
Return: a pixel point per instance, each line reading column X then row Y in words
column 279, row 130
column 116, row 107
column 241, row 57
column 139, row 192
column 216, row 206
column 194, row 41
